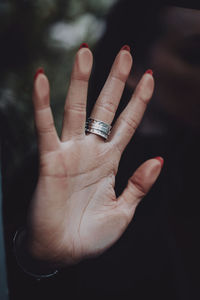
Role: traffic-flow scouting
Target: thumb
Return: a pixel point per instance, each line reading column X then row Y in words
column 141, row 182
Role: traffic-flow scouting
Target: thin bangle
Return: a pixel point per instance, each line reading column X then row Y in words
column 25, row 270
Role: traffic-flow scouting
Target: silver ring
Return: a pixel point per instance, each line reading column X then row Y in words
column 98, row 127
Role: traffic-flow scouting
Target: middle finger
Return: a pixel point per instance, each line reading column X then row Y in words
column 109, row 98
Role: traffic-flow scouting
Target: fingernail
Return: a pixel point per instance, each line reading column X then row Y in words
column 39, row 71
column 83, row 45
column 83, row 62
column 161, row 160
column 149, row 71
column 126, row 47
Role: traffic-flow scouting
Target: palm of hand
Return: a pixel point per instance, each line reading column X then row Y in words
column 75, row 212
column 81, row 192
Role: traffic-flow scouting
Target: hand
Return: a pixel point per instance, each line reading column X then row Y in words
column 75, row 213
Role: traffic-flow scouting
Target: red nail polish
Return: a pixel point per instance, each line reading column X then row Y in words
column 83, row 45
column 161, row 160
column 149, row 71
column 39, row 71
column 126, row 47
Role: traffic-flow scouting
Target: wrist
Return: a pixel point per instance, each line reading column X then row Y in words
column 27, row 261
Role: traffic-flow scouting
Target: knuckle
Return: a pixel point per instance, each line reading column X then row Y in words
column 119, row 76
column 81, row 76
column 48, row 128
column 76, row 106
column 143, row 94
column 109, row 106
column 135, row 183
column 142, row 98
column 130, row 123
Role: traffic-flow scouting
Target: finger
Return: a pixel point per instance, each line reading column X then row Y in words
column 140, row 184
column 131, row 116
column 108, row 100
column 75, row 105
column 47, row 136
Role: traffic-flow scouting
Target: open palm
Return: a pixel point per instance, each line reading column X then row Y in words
column 75, row 212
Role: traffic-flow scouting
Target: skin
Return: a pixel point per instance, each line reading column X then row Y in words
column 74, row 212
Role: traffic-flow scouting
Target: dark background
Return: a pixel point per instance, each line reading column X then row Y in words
column 158, row 256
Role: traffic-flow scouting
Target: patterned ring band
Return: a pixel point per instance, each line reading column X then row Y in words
column 98, row 127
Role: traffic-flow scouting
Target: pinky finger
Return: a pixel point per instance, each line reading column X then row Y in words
column 140, row 183
column 47, row 136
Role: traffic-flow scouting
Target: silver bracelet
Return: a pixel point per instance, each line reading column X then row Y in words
column 25, row 270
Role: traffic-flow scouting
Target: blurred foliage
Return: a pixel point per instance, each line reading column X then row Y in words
column 35, row 33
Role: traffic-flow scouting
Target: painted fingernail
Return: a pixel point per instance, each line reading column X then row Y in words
column 39, row 71
column 149, row 71
column 83, row 45
column 160, row 159
column 126, row 47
